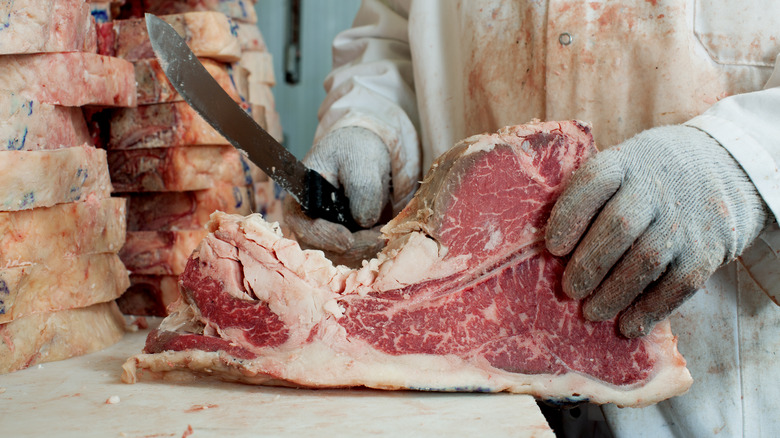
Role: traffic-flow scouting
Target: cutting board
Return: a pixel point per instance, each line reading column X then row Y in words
column 84, row 397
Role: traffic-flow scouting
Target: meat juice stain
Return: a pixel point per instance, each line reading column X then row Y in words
column 196, row 408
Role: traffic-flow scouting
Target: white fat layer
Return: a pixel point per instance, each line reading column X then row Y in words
column 331, row 361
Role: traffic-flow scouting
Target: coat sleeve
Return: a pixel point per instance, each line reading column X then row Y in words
column 372, row 86
column 748, row 126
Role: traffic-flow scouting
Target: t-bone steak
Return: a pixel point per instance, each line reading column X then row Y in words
column 464, row 297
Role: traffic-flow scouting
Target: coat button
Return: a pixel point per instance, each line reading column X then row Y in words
column 565, row 39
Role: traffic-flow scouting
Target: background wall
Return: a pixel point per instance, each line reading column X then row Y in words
column 320, row 21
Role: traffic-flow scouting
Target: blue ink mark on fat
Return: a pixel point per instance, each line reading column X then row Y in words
column 243, row 9
column 101, row 15
column 4, row 288
column 29, row 105
column 247, row 170
column 75, row 190
column 237, row 196
column 17, row 144
column 84, row 175
column 279, row 192
column 27, row 200
column 6, row 23
column 233, row 81
column 233, row 27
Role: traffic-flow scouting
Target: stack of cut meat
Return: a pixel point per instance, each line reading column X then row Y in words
column 253, row 75
column 173, row 168
column 60, row 230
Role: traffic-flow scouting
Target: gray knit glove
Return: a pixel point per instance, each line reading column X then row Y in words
column 359, row 160
column 671, row 206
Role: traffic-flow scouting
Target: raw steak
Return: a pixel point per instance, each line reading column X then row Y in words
column 268, row 118
column 260, row 93
column 242, row 10
column 149, row 295
column 61, row 283
column 159, row 252
column 70, row 79
column 260, row 66
column 38, row 26
column 269, row 198
column 161, row 125
column 154, row 87
column 29, row 125
column 41, row 235
column 261, row 99
column 208, row 34
column 46, row 337
column 464, row 296
column 185, row 210
column 274, row 124
column 177, row 169
column 250, row 38
column 32, row 179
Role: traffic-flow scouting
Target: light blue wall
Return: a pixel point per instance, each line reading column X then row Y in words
column 297, row 104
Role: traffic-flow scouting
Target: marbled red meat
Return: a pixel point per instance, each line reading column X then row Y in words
column 464, row 296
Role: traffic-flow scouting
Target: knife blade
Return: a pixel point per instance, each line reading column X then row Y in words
column 316, row 195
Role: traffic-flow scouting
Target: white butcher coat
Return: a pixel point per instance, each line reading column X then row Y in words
column 425, row 74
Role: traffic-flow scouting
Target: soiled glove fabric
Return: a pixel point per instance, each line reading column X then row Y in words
column 358, row 160
column 671, row 206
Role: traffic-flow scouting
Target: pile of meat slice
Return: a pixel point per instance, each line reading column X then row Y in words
column 464, row 297
column 169, row 164
column 60, row 229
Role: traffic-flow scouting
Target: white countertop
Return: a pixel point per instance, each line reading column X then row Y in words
column 69, row 398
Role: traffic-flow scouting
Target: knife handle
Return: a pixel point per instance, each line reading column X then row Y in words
column 325, row 201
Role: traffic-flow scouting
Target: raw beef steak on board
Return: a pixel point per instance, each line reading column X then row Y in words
column 464, row 296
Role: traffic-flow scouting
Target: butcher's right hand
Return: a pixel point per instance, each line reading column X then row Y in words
column 358, row 160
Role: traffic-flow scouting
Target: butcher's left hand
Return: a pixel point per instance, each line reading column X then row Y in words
column 671, row 206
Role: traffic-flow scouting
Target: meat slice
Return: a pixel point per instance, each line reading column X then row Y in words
column 38, row 26
column 177, row 169
column 149, row 295
column 185, row 210
column 46, row 337
column 242, row 10
column 159, row 252
column 161, row 125
column 154, row 87
column 32, row 179
column 260, row 67
column 464, row 297
column 260, row 93
column 61, row 283
column 41, row 235
column 70, row 79
column 269, row 198
column 208, row 35
column 29, row 125
column 250, row 38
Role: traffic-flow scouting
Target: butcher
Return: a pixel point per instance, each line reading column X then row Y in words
column 675, row 218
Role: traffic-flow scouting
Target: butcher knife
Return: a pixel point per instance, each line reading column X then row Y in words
column 318, row 197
